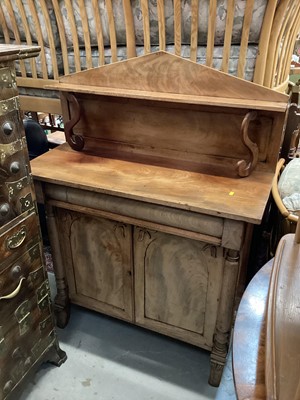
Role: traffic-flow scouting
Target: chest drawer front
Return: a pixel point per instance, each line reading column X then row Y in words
column 11, row 126
column 17, row 199
column 25, row 353
column 14, row 274
column 20, row 312
column 13, row 147
column 15, row 240
column 16, row 195
column 26, row 324
column 8, row 86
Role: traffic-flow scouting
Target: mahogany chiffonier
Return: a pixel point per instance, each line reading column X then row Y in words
column 27, row 333
column 151, row 202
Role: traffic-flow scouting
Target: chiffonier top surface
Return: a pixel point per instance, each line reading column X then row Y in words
column 240, row 199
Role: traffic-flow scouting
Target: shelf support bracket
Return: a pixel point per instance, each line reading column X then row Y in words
column 245, row 168
column 74, row 140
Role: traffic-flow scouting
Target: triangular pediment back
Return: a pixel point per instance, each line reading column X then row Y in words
column 162, row 72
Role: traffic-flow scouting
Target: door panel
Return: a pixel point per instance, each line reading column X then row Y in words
column 178, row 283
column 99, row 262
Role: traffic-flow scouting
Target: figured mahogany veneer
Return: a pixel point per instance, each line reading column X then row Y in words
column 177, row 117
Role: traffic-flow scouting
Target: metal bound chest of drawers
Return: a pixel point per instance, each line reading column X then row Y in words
column 27, row 334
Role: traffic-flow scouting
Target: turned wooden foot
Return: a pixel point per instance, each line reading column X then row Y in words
column 62, row 302
column 218, row 357
column 216, row 371
column 224, row 319
column 62, row 314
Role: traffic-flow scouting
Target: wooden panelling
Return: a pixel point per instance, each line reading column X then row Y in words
column 175, row 280
column 106, row 279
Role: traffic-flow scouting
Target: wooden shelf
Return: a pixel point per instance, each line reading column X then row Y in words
column 175, row 98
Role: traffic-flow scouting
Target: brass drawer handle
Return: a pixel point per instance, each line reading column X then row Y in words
column 17, row 239
column 15, row 292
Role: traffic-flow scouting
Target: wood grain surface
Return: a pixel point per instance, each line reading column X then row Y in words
column 98, row 262
column 186, row 133
column 177, row 285
column 283, row 323
column 249, row 338
column 13, row 52
column 239, row 199
column 266, row 343
column 185, row 81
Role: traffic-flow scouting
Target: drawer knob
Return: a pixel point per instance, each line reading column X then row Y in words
column 16, row 271
column 4, row 209
column 14, row 167
column 7, row 128
column 15, row 292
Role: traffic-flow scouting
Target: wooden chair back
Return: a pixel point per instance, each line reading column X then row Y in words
column 54, row 26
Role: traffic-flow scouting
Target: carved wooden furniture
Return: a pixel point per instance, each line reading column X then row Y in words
column 251, row 39
column 27, row 334
column 248, row 346
column 266, row 333
column 283, row 322
column 149, row 219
